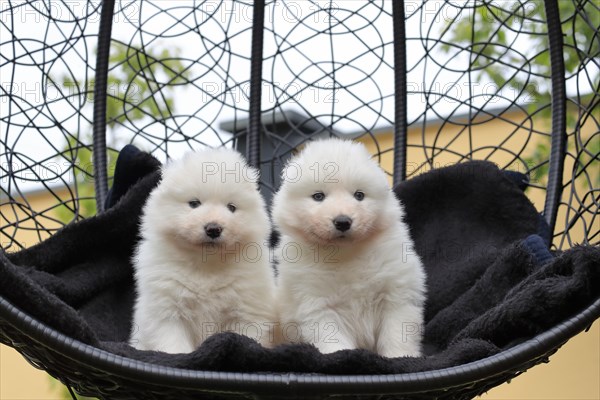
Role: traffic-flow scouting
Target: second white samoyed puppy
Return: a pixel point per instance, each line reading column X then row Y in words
column 202, row 265
column 348, row 274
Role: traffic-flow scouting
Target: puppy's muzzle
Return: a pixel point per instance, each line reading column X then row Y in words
column 342, row 223
column 213, row 230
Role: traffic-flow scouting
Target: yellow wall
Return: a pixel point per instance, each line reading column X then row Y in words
column 573, row 373
column 18, row 379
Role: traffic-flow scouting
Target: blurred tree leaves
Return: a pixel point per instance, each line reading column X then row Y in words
column 491, row 30
column 142, row 83
column 82, row 169
column 140, row 86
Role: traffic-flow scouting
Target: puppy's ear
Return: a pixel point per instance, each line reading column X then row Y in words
column 167, row 167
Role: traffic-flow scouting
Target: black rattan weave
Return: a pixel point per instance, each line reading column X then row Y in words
column 339, row 66
column 96, row 372
column 265, row 77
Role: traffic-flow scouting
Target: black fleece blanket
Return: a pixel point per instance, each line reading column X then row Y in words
column 491, row 280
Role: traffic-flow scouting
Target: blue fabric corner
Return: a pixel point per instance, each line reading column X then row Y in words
column 537, row 247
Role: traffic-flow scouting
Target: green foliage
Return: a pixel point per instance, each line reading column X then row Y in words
column 132, row 86
column 488, row 33
column 138, row 76
column 491, row 29
column 82, row 170
column 589, row 160
column 537, row 162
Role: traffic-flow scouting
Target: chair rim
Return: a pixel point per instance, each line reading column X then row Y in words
column 265, row 382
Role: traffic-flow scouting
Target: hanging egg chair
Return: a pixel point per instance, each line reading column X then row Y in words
column 484, row 116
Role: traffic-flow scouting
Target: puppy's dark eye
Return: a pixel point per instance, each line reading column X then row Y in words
column 231, row 207
column 358, row 195
column 194, row 203
column 319, row 196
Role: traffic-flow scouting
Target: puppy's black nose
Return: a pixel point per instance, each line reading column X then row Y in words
column 342, row 223
column 213, row 230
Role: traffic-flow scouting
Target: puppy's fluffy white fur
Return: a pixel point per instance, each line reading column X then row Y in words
column 189, row 284
column 359, row 287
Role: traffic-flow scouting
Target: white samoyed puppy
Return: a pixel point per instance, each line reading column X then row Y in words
column 202, row 265
column 348, row 274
